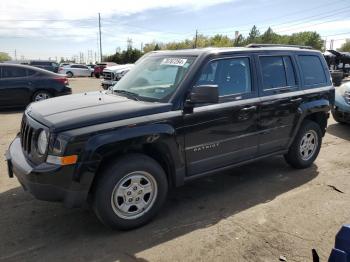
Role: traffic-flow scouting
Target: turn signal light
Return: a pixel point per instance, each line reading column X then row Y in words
column 62, row 160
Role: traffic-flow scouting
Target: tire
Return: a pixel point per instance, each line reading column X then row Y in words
column 92, row 74
column 123, row 182
column 41, row 95
column 69, row 74
column 97, row 75
column 302, row 154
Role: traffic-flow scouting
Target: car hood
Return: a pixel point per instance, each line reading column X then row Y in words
column 86, row 109
column 117, row 67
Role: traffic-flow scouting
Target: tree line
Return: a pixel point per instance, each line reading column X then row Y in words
column 307, row 38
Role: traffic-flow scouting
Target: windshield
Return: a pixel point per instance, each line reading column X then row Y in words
column 154, row 78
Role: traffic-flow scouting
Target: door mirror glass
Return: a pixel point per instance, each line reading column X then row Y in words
column 204, row 94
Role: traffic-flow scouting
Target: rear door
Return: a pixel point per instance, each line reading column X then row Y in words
column 219, row 135
column 280, row 98
column 80, row 70
column 14, row 86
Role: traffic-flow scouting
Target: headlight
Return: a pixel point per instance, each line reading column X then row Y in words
column 42, row 142
column 118, row 76
column 347, row 96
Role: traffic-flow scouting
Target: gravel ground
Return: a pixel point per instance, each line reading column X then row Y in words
column 253, row 213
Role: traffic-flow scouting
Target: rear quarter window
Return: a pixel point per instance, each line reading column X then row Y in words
column 312, row 70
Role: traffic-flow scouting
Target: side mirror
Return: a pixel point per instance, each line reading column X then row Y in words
column 204, row 94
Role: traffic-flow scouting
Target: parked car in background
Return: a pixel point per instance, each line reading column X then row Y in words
column 341, row 110
column 64, row 64
column 98, row 69
column 47, row 65
column 112, row 74
column 75, row 70
column 22, row 84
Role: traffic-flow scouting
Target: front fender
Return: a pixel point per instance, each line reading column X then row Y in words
column 115, row 141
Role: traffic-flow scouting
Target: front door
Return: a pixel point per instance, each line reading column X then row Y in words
column 222, row 134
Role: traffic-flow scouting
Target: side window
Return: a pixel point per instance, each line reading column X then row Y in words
column 74, row 66
column 11, row 72
column 312, row 70
column 30, row 72
column 277, row 71
column 231, row 75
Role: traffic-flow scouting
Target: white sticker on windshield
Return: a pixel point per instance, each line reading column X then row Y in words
column 174, row 61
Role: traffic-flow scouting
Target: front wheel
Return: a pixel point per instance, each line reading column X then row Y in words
column 306, row 145
column 130, row 192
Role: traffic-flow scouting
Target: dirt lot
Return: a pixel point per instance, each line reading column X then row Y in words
column 253, row 213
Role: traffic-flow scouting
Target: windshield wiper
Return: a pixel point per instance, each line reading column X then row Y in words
column 128, row 94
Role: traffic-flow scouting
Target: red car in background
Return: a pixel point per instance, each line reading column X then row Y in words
column 98, row 69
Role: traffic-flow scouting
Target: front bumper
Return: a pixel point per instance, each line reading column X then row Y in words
column 45, row 181
column 107, row 83
column 342, row 116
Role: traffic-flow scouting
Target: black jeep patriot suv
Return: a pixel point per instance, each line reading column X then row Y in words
column 176, row 116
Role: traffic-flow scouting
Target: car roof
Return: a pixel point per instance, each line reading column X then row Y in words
column 223, row 50
column 28, row 67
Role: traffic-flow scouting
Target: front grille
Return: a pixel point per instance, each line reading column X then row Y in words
column 27, row 136
column 29, row 133
column 108, row 75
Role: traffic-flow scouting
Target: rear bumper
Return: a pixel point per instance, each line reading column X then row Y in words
column 45, row 181
column 66, row 91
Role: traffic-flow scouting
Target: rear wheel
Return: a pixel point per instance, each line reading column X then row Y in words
column 130, row 192
column 41, row 95
column 306, row 145
column 69, row 74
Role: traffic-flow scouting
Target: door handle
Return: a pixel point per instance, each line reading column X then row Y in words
column 250, row 108
column 296, row 100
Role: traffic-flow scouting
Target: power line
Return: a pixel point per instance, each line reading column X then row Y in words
column 290, row 21
column 345, row 33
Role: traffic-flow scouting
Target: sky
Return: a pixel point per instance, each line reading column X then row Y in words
column 43, row 29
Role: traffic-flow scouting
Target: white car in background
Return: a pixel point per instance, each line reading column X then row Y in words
column 112, row 74
column 75, row 70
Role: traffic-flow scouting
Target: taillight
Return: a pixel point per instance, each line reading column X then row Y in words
column 62, row 80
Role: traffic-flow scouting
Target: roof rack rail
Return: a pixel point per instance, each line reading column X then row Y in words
column 279, row 45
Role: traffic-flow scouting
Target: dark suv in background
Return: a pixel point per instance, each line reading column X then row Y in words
column 21, row 85
column 47, row 65
column 176, row 116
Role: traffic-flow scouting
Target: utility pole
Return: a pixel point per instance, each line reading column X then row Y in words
column 99, row 29
column 195, row 42
column 15, row 54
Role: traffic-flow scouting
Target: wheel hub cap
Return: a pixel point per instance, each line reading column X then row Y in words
column 134, row 195
column 308, row 145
